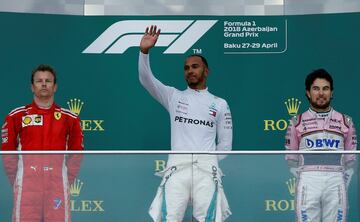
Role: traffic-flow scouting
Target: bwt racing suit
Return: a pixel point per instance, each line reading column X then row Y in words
column 41, row 182
column 321, row 193
column 197, row 119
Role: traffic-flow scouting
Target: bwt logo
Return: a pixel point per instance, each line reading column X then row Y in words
column 340, row 215
column 319, row 143
column 304, row 216
column 179, row 35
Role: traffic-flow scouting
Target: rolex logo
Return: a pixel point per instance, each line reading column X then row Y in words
column 81, row 205
column 75, row 105
column 75, row 188
column 292, row 106
column 291, row 185
column 283, row 204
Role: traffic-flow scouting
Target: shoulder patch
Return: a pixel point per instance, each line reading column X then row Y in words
column 296, row 120
column 347, row 120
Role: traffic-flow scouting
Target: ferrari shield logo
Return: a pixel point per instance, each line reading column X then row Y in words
column 57, row 115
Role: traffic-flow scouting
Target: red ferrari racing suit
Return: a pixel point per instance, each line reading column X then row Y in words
column 41, row 182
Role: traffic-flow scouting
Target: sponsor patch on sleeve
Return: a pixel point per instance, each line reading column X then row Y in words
column 4, row 140
column 4, row 133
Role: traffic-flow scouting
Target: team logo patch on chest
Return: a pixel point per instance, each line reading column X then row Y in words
column 57, row 115
column 182, row 106
column 194, row 121
column 32, row 120
column 322, row 143
column 212, row 110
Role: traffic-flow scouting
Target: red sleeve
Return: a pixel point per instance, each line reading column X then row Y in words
column 9, row 142
column 75, row 142
column 9, row 134
column 76, row 137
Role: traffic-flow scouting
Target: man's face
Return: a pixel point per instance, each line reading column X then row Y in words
column 195, row 72
column 320, row 94
column 44, row 86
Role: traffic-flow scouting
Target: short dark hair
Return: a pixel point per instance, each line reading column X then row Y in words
column 43, row 67
column 318, row 74
column 201, row 57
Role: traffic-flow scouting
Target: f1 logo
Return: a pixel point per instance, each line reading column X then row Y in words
column 179, row 35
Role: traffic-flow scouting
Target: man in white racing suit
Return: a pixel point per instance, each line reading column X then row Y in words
column 321, row 192
column 198, row 119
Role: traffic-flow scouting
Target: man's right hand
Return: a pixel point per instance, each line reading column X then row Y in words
column 149, row 39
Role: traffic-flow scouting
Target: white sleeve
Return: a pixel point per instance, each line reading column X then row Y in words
column 157, row 89
column 224, row 130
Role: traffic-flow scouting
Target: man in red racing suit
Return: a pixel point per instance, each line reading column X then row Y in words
column 41, row 182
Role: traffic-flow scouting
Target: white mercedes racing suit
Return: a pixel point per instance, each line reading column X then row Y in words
column 198, row 119
column 321, row 192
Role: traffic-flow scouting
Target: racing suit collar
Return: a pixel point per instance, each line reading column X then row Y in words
column 42, row 110
column 313, row 112
column 197, row 90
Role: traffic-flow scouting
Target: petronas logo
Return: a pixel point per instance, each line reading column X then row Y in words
column 75, row 105
column 292, row 106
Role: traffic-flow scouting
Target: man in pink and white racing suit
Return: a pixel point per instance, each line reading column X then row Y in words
column 321, row 192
